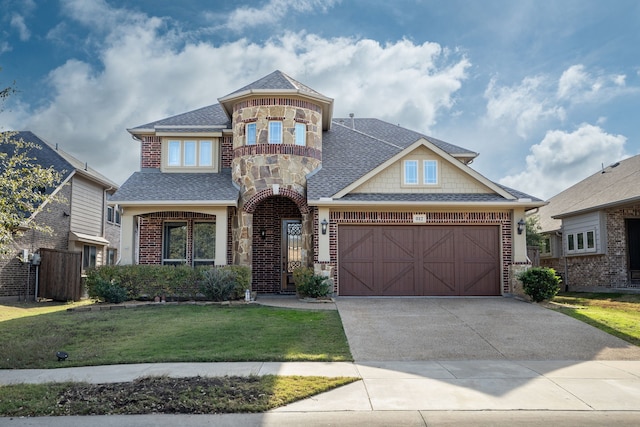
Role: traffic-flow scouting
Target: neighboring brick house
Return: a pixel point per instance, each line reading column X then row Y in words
column 268, row 178
column 591, row 231
column 81, row 220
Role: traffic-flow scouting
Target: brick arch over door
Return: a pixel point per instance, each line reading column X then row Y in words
column 300, row 200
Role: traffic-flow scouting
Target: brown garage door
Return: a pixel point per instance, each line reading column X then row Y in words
column 419, row 260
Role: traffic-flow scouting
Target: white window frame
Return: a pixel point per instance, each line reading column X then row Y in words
column 187, row 154
column 275, row 132
column 414, row 179
column 425, row 180
column 580, row 240
column 300, row 134
column 251, row 134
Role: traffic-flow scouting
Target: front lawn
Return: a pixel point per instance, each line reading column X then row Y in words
column 617, row 314
column 168, row 333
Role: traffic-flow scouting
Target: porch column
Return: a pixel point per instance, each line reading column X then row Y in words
column 243, row 238
column 221, row 235
column 127, row 239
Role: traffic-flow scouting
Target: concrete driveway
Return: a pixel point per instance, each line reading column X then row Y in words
column 492, row 328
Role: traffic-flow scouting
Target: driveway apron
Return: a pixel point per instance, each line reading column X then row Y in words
column 492, row 328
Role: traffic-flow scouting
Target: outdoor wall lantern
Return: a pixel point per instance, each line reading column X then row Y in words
column 324, row 224
column 521, row 226
column 263, row 233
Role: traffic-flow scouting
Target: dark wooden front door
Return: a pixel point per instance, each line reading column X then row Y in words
column 291, row 251
column 419, row 260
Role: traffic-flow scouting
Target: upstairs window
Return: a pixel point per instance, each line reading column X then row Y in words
column 430, row 172
column 410, row 172
column 301, row 134
column 113, row 215
column 250, row 134
column 190, row 153
column 275, row 132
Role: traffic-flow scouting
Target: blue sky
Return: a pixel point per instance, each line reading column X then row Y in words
column 546, row 91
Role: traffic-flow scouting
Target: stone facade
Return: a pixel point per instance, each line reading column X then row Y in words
column 600, row 271
column 268, row 175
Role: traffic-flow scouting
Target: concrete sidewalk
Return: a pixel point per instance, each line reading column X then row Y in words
column 407, row 393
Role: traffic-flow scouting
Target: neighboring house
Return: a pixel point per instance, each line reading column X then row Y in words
column 591, row 231
column 268, row 178
column 81, row 220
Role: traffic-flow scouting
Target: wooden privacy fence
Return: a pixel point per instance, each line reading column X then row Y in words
column 60, row 276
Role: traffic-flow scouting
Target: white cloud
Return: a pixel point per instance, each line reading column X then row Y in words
column 273, row 11
column 523, row 105
column 17, row 22
column 577, row 86
column 145, row 75
column 561, row 159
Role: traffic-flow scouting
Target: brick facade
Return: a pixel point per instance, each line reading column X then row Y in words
column 13, row 273
column 267, row 252
column 151, row 229
column 151, row 152
column 604, row 271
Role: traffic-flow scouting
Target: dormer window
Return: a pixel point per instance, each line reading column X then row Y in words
column 190, row 154
column 275, row 132
column 420, row 173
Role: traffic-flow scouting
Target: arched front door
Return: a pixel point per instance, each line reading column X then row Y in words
column 277, row 244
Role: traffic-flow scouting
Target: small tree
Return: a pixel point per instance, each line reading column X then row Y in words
column 23, row 185
column 534, row 238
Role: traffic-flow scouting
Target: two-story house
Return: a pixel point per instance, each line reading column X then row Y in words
column 80, row 219
column 268, row 178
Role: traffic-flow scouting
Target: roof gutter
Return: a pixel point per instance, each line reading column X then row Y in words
column 628, row 201
column 344, row 203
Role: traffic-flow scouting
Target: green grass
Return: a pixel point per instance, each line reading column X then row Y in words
column 196, row 395
column 616, row 314
column 181, row 333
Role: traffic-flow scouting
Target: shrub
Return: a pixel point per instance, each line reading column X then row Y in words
column 108, row 291
column 241, row 277
column 309, row 284
column 218, row 284
column 540, row 283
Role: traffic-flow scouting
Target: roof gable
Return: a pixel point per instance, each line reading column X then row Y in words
column 423, row 142
column 64, row 163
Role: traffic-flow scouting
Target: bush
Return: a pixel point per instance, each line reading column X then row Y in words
column 108, row 291
column 241, row 277
column 540, row 283
column 218, row 284
column 309, row 284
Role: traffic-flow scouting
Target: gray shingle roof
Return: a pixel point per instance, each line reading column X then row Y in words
column 211, row 115
column 157, row 186
column 619, row 184
column 275, row 81
column 350, row 153
column 61, row 161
